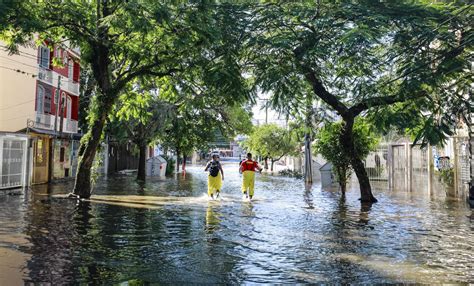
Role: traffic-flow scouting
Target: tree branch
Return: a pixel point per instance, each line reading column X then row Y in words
column 144, row 70
column 380, row 101
column 322, row 93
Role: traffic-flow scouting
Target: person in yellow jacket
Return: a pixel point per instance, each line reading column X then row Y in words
column 248, row 168
column 215, row 177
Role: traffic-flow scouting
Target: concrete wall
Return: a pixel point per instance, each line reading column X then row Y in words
column 17, row 90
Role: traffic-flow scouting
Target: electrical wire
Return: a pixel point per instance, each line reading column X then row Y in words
column 15, row 117
column 21, row 103
column 19, row 71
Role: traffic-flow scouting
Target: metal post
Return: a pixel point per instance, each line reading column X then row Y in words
column 51, row 141
column 430, row 170
column 57, row 102
column 61, row 106
column 456, row 164
column 407, row 167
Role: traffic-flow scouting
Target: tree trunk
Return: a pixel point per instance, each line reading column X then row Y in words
column 87, row 152
column 184, row 163
column 141, row 175
column 342, row 179
column 347, row 140
column 265, row 163
column 308, row 170
column 177, row 161
column 271, row 166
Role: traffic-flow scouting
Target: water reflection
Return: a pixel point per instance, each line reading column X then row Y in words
column 167, row 231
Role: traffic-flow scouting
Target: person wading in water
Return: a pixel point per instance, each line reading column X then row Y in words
column 215, row 177
column 248, row 168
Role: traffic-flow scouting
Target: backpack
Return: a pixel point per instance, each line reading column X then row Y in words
column 214, row 169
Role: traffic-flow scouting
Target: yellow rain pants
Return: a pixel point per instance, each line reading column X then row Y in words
column 214, row 183
column 248, row 182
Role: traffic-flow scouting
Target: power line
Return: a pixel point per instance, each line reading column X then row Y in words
column 15, row 117
column 34, row 74
column 21, row 103
column 10, row 59
column 25, row 54
column 19, row 71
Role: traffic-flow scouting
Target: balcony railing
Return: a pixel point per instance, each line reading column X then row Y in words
column 43, row 121
column 70, row 126
column 73, row 87
column 45, row 75
column 46, row 121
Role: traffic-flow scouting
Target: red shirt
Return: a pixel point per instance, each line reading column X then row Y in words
column 249, row 165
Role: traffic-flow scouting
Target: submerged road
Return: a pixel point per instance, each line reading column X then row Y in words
column 168, row 231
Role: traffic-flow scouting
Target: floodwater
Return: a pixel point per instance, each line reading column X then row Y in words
column 169, row 232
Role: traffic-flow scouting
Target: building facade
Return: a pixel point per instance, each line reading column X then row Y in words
column 39, row 96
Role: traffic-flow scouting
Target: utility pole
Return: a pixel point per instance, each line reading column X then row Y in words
column 51, row 145
column 57, row 102
column 61, row 106
column 266, row 114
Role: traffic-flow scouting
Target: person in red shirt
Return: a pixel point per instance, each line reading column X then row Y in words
column 248, row 168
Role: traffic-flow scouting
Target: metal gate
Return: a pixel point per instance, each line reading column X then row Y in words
column 376, row 166
column 409, row 165
column 399, row 167
column 462, row 165
column 13, row 155
column 419, row 168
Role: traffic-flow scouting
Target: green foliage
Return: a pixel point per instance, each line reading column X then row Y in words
column 365, row 56
column 447, row 176
column 171, row 164
column 271, row 141
column 291, row 173
column 329, row 145
column 188, row 52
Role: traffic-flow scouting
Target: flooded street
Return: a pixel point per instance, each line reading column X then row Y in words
column 168, row 231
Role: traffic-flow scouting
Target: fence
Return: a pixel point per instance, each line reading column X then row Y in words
column 412, row 168
column 462, row 171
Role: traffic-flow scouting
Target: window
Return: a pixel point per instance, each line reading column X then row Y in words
column 40, row 99
column 57, row 53
column 68, row 107
column 75, row 76
column 47, row 101
column 44, row 57
column 70, row 69
column 62, row 103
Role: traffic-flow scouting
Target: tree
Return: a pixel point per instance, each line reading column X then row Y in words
column 143, row 116
column 329, row 146
column 361, row 57
column 125, row 40
column 272, row 142
column 194, row 126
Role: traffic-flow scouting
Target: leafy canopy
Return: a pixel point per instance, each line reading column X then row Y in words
column 271, row 141
column 364, row 56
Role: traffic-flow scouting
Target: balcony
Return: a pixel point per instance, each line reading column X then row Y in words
column 45, row 75
column 72, row 87
column 46, row 121
column 43, row 121
column 70, row 126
